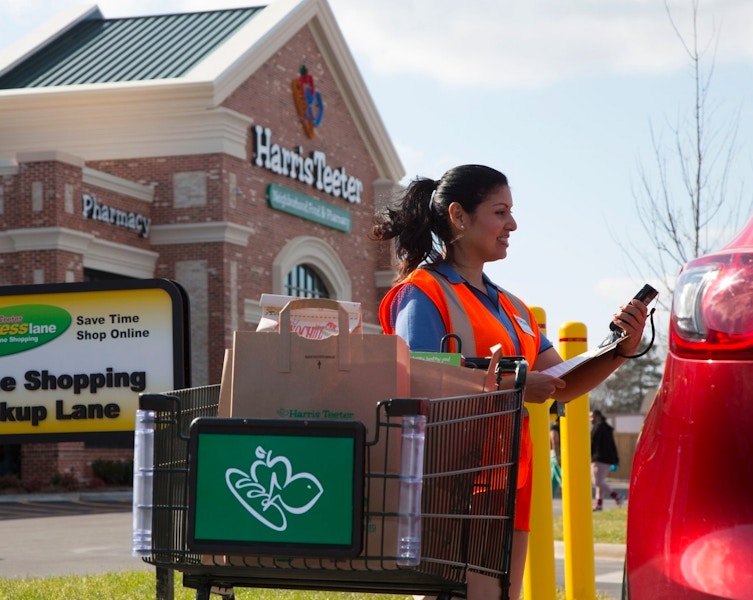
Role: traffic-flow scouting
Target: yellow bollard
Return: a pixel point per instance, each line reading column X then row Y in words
column 577, row 523
column 539, row 580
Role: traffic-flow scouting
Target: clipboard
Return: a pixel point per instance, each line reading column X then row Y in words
column 565, row 369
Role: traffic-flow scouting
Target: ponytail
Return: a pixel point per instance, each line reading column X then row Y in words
column 411, row 223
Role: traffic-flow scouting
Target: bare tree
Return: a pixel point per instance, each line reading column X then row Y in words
column 624, row 390
column 683, row 201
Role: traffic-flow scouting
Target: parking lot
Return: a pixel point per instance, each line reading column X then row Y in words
column 29, row 508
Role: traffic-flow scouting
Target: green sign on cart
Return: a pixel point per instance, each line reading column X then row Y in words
column 272, row 487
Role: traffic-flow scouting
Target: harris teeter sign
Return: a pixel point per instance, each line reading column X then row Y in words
column 75, row 357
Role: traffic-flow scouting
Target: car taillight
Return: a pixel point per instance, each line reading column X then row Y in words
column 712, row 308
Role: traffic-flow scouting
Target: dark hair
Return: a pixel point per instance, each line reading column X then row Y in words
column 419, row 220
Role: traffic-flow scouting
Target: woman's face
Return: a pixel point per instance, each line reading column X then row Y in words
column 488, row 235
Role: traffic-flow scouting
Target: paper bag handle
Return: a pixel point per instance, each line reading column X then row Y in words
column 343, row 331
column 490, row 381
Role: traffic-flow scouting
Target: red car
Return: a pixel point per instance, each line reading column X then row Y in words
column 690, row 516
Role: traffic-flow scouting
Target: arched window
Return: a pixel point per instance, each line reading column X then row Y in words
column 314, row 256
column 318, row 257
column 305, row 282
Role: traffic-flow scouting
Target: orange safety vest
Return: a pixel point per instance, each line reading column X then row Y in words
column 464, row 315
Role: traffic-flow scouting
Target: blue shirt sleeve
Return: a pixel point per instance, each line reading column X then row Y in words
column 417, row 320
column 545, row 343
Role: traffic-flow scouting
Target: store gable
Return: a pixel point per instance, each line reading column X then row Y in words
column 177, row 111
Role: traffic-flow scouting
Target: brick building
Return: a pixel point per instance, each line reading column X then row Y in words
column 237, row 152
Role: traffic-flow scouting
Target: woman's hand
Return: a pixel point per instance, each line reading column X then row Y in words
column 631, row 319
column 540, row 387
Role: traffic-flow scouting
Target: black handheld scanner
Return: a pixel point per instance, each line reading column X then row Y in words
column 645, row 295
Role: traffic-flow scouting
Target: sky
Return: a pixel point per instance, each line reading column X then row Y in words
column 569, row 98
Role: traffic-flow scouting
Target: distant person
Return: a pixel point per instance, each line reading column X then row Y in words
column 555, row 457
column 603, row 456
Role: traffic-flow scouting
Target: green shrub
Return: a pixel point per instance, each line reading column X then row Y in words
column 10, row 482
column 67, row 481
column 114, row 472
column 95, row 483
column 32, row 486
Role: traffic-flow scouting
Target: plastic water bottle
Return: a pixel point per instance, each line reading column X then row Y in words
column 143, row 478
column 411, row 482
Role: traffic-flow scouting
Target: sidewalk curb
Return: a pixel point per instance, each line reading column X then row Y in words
column 115, row 496
column 602, row 551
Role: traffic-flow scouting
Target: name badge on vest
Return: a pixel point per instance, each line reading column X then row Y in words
column 524, row 325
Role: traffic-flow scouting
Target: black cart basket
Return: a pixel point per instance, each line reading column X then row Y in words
column 431, row 482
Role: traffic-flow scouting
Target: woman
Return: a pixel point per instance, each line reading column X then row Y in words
column 445, row 231
column 603, row 455
column 555, row 457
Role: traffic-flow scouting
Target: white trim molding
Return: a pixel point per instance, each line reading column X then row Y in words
column 97, row 253
column 200, row 233
column 320, row 255
column 121, row 186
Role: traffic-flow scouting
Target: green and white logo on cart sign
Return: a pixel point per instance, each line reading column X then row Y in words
column 271, row 489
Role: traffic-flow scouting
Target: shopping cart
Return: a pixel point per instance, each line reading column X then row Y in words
column 466, row 492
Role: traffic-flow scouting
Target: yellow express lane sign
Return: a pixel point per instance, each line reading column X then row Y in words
column 75, row 357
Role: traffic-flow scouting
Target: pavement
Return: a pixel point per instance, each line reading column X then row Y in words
column 69, row 534
column 94, row 505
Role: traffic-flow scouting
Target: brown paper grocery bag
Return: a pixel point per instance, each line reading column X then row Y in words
column 438, row 380
column 342, row 377
column 225, row 399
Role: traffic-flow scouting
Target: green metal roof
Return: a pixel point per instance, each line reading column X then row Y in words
column 129, row 49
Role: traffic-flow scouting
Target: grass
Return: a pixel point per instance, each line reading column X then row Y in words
column 610, row 526
column 128, row 585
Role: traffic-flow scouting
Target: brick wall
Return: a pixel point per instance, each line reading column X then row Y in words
column 38, row 461
column 205, row 188
column 43, row 461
